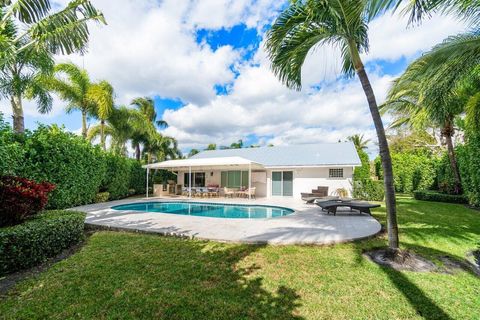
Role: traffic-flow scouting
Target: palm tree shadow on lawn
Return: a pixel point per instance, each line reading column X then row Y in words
column 180, row 280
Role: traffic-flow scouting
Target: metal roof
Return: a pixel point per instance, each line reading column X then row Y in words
column 307, row 155
column 204, row 163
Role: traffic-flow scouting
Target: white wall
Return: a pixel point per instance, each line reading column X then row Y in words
column 306, row 179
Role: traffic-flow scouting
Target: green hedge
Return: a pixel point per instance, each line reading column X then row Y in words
column 67, row 160
column 439, row 197
column 42, row 237
column 78, row 169
column 369, row 189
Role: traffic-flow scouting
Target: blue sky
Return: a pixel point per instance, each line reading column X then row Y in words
column 204, row 64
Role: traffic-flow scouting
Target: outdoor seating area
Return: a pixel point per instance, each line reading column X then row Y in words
column 214, row 191
column 319, row 193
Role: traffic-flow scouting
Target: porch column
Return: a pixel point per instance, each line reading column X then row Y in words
column 249, row 180
column 148, row 171
column 189, row 182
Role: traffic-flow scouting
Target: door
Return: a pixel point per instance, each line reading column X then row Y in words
column 282, row 183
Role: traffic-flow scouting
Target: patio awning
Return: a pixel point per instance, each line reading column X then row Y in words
column 205, row 164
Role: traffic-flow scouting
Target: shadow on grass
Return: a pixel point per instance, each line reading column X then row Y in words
column 119, row 275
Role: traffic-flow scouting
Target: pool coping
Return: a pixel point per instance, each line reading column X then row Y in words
column 307, row 225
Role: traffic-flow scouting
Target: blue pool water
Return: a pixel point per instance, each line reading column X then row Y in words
column 214, row 210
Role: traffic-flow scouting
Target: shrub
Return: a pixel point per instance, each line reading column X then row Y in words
column 363, row 172
column 369, row 190
column 70, row 162
column 117, row 177
column 11, row 151
column 21, row 198
column 37, row 239
column 102, row 197
column 439, row 197
column 137, row 177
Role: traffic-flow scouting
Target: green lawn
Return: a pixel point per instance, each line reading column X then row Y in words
column 131, row 276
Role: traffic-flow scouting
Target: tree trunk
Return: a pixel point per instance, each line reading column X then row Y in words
column 390, row 200
column 137, row 151
column 84, row 124
column 447, row 132
column 102, row 135
column 17, row 110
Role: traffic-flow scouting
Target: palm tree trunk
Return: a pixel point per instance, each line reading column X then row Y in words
column 390, row 200
column 102, row 135
column 447, row 132
column 84, row 124
column 17, row 109
column 137, row 151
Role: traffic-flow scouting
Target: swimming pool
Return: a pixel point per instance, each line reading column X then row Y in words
column 214, row 210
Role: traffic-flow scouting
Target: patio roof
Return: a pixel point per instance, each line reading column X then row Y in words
column 208, row 163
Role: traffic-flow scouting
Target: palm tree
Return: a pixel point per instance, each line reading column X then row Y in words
column 21, row 77
column 73, row 89
column 161, row 147
column 359, row 141
column 193, row 152
column 237, row 145
column 427, row 94
column 146, row 106
column 29, row 34
column 306, row 24
column 101, row 96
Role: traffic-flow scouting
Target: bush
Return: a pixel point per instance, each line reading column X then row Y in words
column 369, row 190
column 21, row 198
column 138, row 177
column 117, row 177
column 35, row 240
column 439, row 197
column 70, row 162
column 11, row 151
column 102, row 197
column 363, row 172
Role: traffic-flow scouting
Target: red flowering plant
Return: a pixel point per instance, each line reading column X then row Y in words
column 21, row 198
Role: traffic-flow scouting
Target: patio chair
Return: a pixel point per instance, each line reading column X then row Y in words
column 228, row 192
column 250, row 192
column 319, row 193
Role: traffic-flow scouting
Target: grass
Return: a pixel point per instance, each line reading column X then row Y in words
column 132, row 276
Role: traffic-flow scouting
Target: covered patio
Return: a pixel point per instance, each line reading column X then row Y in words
column 211, row 174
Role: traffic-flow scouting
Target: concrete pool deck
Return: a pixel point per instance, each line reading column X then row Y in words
column 308, row 225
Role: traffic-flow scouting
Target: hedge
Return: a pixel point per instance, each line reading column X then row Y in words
column 66, row 160
column 44, row 236
column 439, row 197
column 78, row 169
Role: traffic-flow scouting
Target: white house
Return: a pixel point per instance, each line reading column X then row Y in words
column 283, row 171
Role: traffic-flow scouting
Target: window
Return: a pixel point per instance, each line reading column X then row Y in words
column 198, row 179
column 335, row 173
column 234, row 179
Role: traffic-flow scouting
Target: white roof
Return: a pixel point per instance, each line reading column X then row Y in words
column 204, row 163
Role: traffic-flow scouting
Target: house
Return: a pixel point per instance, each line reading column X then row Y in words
column 281, row 171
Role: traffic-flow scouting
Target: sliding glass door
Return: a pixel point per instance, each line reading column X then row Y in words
column 282, row 183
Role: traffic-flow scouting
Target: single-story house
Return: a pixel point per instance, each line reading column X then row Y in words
column 279, row 171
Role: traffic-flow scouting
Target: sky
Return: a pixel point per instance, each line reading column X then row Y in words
column 204, row 63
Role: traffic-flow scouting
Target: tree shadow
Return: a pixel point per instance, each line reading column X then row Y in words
column 122, row 275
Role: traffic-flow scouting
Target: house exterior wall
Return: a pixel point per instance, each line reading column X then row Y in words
column 304, row 180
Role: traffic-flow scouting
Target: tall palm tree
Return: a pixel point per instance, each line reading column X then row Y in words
column 21, row 77
column 30, row 31
column 306, row 24
column 101, row 96
column 160, row 147
column 74, row 89
column 359, row 141
column 145, row 106
column 119, row 126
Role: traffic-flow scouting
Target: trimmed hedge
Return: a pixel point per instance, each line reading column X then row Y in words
column 70, row 162
column 44, row 236
column 439, row 197
column 117, row 177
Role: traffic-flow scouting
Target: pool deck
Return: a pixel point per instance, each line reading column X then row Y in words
column 308, row 225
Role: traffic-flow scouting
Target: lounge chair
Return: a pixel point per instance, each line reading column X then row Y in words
column 331, row 205
column 319, row 193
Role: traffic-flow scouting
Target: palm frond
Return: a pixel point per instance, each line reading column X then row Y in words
column 27, row 11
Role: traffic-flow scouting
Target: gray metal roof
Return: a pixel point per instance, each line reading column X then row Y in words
column 342, row 153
